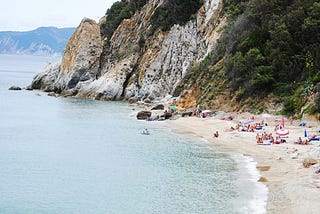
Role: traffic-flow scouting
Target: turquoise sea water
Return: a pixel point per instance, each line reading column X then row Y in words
column 61, row 155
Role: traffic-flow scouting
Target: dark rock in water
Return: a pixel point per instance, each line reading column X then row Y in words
column 143, row 115
column 14, row 88
column 158, row 107
column 29, row 88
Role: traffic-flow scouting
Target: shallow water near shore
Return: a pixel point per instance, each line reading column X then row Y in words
column 63, row 155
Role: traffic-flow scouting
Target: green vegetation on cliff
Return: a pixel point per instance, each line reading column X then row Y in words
column 165, row 16
column 173, row 12
column 119, row 11
column 270, row 48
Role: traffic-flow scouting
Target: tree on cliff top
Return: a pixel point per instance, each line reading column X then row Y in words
column 173, row 12
column 119, row 11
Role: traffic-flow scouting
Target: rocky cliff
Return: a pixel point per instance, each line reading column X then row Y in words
column 137, row 62
column 79, row 65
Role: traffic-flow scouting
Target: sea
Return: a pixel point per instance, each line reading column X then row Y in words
column 77, row 156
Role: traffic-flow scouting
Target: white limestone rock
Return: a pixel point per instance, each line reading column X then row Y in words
column 45, row 79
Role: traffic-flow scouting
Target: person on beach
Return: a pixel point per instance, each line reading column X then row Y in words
column 299, row 141
column 216, row 134
column 259, row 139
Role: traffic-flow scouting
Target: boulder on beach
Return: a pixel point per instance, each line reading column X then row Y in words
column 158, row 107
column 167, row 115
column 187, row 113
column 143, row 115
column 14, row 88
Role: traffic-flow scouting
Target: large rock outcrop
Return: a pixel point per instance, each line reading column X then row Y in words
column 79, row 65
column 45, row 80
column 136, row 63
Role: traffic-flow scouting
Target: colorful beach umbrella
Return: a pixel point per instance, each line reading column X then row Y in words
column 282, row 132
column 173, row 108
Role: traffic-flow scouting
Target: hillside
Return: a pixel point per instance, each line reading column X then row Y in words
column 268, row 57
column 41, row 41
column 219, row 54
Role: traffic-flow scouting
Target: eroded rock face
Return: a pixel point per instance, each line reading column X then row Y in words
column 134, row 64
column 168, row 56
column 45, row 79
column 80, row 62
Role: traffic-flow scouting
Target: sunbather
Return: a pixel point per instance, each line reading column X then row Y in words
column 301, row 141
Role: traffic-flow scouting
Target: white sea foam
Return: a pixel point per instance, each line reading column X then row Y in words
column 253, row 198
column 257, row 191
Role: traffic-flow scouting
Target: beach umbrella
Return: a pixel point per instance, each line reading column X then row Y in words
column 305, row 133
column 282, row 132
column 206, row 111
column 282, row 122
column 173, row 108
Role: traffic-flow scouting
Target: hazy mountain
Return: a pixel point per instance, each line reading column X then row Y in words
column 41, row 41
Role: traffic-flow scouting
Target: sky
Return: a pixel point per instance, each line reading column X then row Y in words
column 25, row 15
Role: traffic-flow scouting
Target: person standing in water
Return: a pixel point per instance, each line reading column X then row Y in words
column 216, row 134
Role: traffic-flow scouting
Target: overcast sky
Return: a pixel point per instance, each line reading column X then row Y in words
column 23, row 15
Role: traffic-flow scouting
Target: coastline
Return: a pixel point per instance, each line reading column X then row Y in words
column 292, row 188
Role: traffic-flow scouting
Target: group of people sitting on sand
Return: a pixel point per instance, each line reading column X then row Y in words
column 301, row 141
column 247, row 128
column 261, row 137
column 307, row 140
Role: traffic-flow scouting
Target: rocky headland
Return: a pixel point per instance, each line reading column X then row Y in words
column 135, row 64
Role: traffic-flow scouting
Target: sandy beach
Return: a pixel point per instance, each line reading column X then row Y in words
column 292, row 188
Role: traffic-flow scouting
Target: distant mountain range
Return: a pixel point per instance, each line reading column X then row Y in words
column 41, row 41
